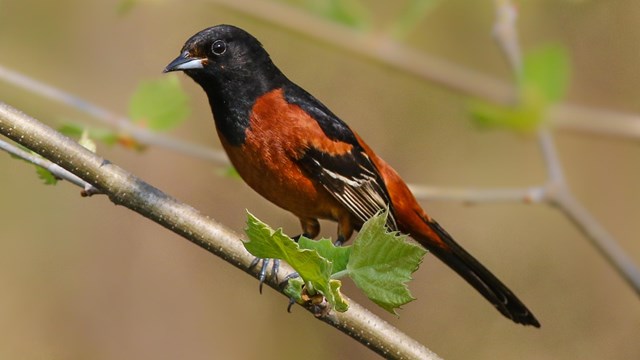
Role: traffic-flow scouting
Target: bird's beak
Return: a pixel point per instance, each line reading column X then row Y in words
column 184, row 62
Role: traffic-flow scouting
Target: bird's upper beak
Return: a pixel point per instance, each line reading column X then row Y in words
column 185, row 62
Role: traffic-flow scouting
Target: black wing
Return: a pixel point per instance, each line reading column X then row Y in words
column 353, row 180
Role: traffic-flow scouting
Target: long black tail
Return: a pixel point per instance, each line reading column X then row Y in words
column 479, row 277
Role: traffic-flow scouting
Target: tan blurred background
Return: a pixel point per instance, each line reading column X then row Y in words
column 84, row 279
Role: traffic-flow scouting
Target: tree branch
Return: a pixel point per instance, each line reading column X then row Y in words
column 123, row 188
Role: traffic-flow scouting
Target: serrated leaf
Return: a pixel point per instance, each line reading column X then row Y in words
column 381, row 263
column 264, row 242
column 338, row 255
column 545, row 73
column 159, row 104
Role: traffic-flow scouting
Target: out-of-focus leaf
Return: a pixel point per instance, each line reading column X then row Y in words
column 46, row 176
column 86, row 142
column 229, row 171
column 125, row 6
column 543, row 82
column 545, row 73
column 352, row 13
column 518, row 118
column 106, row 136
column 159, row 104
column 411, row 17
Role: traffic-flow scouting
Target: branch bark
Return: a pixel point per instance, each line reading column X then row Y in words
column 123, row 188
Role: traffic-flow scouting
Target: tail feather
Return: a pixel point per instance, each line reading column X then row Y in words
column 479, row 277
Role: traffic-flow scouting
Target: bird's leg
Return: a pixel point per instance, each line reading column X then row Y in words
column 345, row 230
column 263, row 269
column 310, row 228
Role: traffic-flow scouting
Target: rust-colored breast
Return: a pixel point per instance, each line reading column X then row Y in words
column 278, row 134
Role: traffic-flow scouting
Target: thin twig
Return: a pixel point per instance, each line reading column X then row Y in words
column 533, row 194
column 123, row 188
column 600, row 237
column 559, row 194
column 504, row 30
column 55, row 169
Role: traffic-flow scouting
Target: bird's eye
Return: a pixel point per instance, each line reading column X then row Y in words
column 218, row 47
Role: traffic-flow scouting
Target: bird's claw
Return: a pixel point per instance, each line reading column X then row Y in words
column 262, row 277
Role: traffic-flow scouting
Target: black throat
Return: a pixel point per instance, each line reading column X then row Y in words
column 232, row 96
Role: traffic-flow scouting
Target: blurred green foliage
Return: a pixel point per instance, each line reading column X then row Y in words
column 159, row 104
column 543, row 82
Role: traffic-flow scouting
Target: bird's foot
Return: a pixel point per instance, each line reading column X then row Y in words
column 282, row 285
column 263, row 269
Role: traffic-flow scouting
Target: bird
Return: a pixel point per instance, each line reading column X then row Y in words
column 295, row 152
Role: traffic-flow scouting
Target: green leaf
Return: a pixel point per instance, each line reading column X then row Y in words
column 46, row 176
column 106, row 136
column 125, row 6
column 351, row 13
column 264, row 242
column 341, row 304
column 411, row 17
column 86, row 142
column 229, row 171
column 338, row 255
column 545, row 73
column 159, row 104
column 543, row 82
column 293, row 290
column 519, row 118
column 381, row 264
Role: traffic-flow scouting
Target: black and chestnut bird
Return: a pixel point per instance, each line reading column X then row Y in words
column 291, row 149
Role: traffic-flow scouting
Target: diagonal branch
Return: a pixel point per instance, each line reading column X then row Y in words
column 123, row 188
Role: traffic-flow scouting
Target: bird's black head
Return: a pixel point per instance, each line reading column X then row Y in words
column 234, row 70
column 226, row 56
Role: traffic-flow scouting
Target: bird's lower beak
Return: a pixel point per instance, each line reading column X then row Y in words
column 184, row 62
